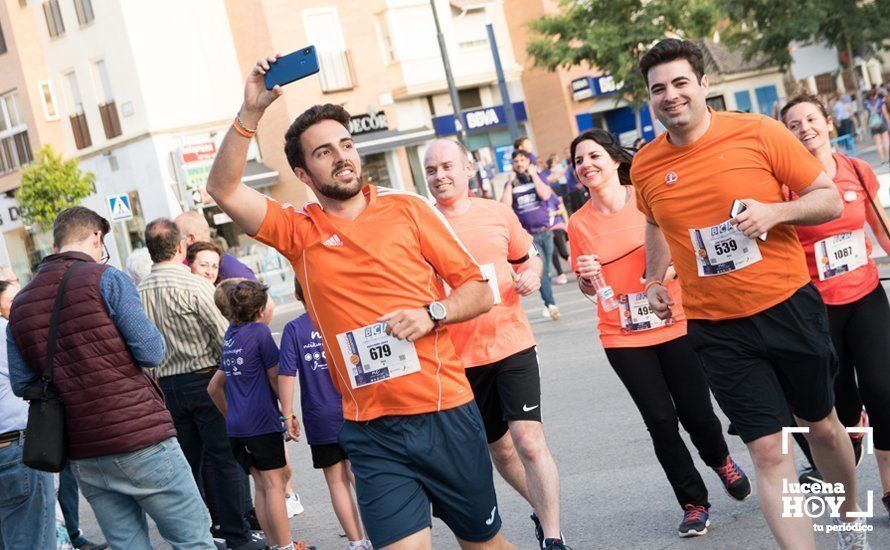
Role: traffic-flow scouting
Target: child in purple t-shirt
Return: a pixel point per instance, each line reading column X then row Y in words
column 302, row 353
column 245, row 389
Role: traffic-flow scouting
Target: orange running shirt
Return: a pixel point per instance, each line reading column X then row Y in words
column 853, row 285
column 620, row 242
column 493, row 235
column 354, row 271
column 693, row 187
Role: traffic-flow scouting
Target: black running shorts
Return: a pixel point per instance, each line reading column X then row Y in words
column 263, row 452
column 507, row 390
column 759, row 365
column 325, row 456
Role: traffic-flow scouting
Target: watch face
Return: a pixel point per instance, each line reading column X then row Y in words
column 437, row 311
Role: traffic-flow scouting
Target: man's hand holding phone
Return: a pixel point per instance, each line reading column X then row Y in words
column 256, row 97
column 753, row 218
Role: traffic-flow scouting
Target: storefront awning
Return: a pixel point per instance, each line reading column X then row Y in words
column 258, row 175
column 377, row 142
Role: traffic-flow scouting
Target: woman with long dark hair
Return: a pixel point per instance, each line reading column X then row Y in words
column 651, row 356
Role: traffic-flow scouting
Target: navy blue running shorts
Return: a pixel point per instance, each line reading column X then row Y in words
column 405, row 464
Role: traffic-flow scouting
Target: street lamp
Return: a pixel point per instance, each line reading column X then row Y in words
column 449, row 78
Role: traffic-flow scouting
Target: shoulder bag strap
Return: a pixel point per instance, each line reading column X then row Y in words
column 867, row 194
column 54, row 325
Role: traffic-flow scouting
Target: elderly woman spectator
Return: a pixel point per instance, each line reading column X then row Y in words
column 138, row 264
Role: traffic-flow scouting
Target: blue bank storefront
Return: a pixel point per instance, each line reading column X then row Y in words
column 487, row 134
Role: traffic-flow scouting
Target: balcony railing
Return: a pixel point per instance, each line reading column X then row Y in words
column 337, row 71
column 15, row 152
column 81, row 131
column 110, row 120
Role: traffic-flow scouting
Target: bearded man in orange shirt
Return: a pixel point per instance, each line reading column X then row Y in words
column 368, row 260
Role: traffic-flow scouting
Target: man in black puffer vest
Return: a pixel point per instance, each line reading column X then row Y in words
column 122, row 444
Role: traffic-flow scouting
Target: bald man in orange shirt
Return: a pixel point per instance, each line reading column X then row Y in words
column 498, row 347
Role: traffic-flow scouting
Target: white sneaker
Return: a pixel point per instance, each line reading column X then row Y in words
column 364, row 544
column 553, row 311
column 560, row 279
column 852, row 539
column 545, row 313
column 294, row 506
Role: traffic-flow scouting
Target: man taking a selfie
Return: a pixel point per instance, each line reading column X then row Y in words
column 368, row 259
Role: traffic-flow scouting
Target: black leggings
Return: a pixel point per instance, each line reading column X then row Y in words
column 860, row 333
column 667, row 383
column 560, row 249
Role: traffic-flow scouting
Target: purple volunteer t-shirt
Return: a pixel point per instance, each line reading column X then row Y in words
column 252, row 408
column 231, row 267
column 321, row 403
column 556, row 220
column 532, row 212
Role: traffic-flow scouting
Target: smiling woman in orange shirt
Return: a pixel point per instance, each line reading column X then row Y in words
column 651, row 356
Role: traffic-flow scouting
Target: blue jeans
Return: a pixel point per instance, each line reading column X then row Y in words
column 544, row 246
column 210, row 489
column 69, row 501
column 157, row 481
column 27, row 503
column 201, row 430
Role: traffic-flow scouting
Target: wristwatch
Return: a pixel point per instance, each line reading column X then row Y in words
column 437, row 312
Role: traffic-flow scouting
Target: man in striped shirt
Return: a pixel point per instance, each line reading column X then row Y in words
column 181, row 306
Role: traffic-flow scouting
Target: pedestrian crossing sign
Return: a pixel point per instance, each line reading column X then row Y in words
column 119, row 207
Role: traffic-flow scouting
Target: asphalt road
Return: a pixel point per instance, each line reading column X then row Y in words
column 614, row 494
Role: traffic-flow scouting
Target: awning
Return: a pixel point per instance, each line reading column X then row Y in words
column 469, row 4
column 258, row 175
column 377, row 142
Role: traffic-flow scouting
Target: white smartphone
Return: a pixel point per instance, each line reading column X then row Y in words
column 737, row 208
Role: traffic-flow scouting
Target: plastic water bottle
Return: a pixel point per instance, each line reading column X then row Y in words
column 604, row 292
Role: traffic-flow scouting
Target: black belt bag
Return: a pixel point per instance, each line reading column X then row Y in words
column 45, row 447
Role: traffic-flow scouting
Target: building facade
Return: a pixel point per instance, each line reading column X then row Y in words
column 142, row 93
column 381, row 61
column 127, row 88
column 27, row 121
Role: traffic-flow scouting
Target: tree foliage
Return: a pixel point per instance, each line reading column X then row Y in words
column 613, row 34
column 51, row 184
column 768, row 27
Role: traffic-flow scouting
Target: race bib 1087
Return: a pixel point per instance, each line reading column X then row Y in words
column 840, row 254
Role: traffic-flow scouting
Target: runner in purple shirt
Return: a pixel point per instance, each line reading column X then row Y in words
column 303, row 354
